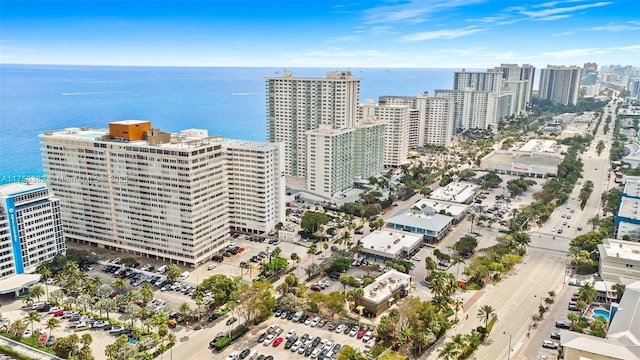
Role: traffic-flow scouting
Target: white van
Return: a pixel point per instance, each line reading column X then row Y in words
column 211, row 266
column 184, row 275
column 162, row 269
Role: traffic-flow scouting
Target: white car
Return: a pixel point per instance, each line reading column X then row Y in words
column 233, row 356
column 296, row 346
column 354, row 331
column 27, row 333
column 291, row 333
column 416, row 258
column 316, row 351
column 315, row 321
column 328, row 345
column 340, row 328
column 367, row 336
column 268, row 340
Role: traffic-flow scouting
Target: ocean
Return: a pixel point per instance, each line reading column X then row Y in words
column 226, row 101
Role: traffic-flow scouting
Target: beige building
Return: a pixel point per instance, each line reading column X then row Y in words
column 381, row 294
column 171, row 196
column 396, row 121
column 619, row 261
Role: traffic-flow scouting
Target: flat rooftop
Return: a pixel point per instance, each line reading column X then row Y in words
column 390, row 241
column 629, row 208
column 632, row 186
column 457, row 192
column 179, row 141
column 529, row 158
column 538, row 145
column 629, row 250
column 17, row 188
column 385, row 286
column 455, row 209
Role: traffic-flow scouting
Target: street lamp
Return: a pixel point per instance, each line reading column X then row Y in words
column 509, row 350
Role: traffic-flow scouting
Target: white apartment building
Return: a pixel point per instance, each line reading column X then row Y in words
column 431, row 120
column 619, row 261
column 30, row 232
column 330, row 160
column 296, row 105
column 473, row 109
column 368, row 150
column 560, row 84
column 396, row 121
column 256, row 185
column 515, row 72
column 140, row 190
column 518, row 101
column 490, row 80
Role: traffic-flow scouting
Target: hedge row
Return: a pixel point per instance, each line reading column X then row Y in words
column 235, row 334
column 9, row 351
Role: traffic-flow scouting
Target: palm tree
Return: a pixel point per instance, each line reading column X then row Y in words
column 457, row 305
column 484, row 314
column 84, row 300
column 573, row 317
column 295, row 258
column 107, row 305
column 132, row 313
column 430, row 264
column 32, row 316
column 146, row 292
column 449, row 351
column 45, row 275
column 52, row 324
column 588, row 293
column 36, row 291
column 18, row 327
column 349, row 353
column 120, row 284
column 312, row 251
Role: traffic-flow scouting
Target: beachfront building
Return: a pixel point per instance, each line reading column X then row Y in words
column 622, row 341
column 388, row 244
column 514, row 73
column 396, row 122
column 330, row 160
column 368, row 150
column 30, row 232
column 296, row 105
column 382, row 293
column 473, row 109
column 431, row 119
column 171, row 196
column 560, row 84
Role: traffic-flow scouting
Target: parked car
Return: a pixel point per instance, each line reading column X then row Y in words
column 231, row 320
column 50, row 341
column 563, row 325
column 555, row 335
column 277, row 341
column 269, row 339
column 549, row 344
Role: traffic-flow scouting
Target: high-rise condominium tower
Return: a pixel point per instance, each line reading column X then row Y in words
column 560, row 84
column 296, row 105
column 514, row 73
column 174, row 197
column 30, row 232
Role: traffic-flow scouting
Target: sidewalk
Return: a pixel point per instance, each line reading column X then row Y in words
column 27, row 350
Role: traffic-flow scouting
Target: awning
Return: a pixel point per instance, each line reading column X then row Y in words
column 17, row 282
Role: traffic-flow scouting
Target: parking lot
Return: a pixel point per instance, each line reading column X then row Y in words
column 327, row 340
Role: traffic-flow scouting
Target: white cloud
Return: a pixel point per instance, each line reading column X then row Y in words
column 552, row 17
column 347, row 38
column 441, row 34
column 564, row 33
column 559, row 10
column 488, row 19
column 616, row 28
column 412, row 12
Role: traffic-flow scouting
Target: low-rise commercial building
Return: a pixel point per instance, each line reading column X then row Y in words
column 422, row 220
column 381, row 294
column 627, row 222
column 522, row 163
column 619, row 261
column 456, row 192
column 388, row 244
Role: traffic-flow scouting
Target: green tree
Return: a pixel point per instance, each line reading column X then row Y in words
column 296, row 258
column 173, row 271
column 485, row 313
column 52, row 324
column 36, row 291
column 349, row 353
column 449, row 351
column 311, row 221
column 32, row 316
column 256, row 301
column 18, row 327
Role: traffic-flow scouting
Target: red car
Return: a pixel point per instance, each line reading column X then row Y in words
column 58, row 312
column 240, row 250
column 361, row 333
column 277, row 341
column 42, row 339
column 316, row 288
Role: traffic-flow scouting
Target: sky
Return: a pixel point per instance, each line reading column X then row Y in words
column 321, row 33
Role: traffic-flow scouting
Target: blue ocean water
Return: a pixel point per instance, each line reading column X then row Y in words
column 226, row 101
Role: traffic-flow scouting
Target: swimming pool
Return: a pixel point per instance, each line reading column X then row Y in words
column 601, row 312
